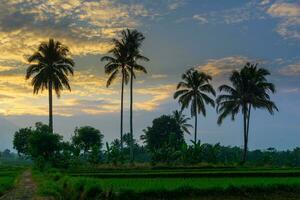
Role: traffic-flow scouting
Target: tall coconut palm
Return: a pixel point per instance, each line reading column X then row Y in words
column 182, row 121
column 195, row 90
column 49, row 68
column 250, row 89
column 117, row 64
column 133, row 39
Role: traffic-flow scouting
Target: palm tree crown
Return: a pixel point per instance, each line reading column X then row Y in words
column 50, row 64
column 249, row 88
column 132, row 40
column 195, row 90
column 117, row 63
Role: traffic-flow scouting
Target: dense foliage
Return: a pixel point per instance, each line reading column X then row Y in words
column 164, row 143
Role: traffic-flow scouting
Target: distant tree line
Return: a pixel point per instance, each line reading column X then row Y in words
column 163, row 143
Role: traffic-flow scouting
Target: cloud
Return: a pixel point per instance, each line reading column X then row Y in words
column 200, row 19
column 291, row 90
column 156, row 95
column 223, row 66
column 264, row 2
column 89, row 96
column 291, row 70
column 235, row 15
column 159, row 76
column 284, row 10
column 85, row 26
column 174, row 4
column 289, row 15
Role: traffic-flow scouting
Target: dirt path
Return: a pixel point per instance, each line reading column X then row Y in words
column 24, row 190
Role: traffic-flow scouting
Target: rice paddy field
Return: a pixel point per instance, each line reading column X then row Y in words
column 8, row 176
column 189, row 183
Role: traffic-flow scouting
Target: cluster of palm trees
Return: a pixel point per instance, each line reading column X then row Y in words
column 250, row 89
column 124, row 62
column 51, row 65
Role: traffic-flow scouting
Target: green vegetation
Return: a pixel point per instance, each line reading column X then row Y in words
column 8, row 175
column 164, row 144
column 119, row 186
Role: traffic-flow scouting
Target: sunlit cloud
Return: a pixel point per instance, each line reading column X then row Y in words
column 289, row 14
column 159, row 76
column 249, row 11
column 223, row 66
column 89, row 96
column 291, row 70
column 85, row 26
column 156, row 96
column 175, row 4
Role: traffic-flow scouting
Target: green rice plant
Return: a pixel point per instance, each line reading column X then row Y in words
column 66, row 187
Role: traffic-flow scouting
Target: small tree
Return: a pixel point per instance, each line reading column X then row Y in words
column 43, row 143
column 86, row 138
column 21, row 139
column 165, row 133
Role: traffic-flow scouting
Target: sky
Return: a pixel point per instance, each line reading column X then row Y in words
column 215, row 36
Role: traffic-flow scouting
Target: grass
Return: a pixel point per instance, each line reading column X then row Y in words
column 8, row 175
column 144, row 185
column 186, row 173
column 6, row 183
column 64, row 186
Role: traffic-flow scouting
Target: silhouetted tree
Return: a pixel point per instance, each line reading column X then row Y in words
column 117, row 64
column 182, row 121
column 20, row 141
column 164, row 132
column 250, row 88
column 44, row 144
column 132, row 40
column 87, row 137
column 49, row 69
column 194, row 90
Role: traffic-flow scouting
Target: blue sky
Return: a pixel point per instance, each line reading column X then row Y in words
column 214, row 36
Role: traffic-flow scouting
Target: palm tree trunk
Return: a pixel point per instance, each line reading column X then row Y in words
column 245, row 135
column 248, row 122
column 121, row 125
column 196, row 121
column 50, row 107
column 131, row 102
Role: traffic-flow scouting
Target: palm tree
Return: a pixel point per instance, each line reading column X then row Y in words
column 250, row 88
column 182, row 121
column 49, row 69
column 195, row 90
column 132, row 40
column 118, row 64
